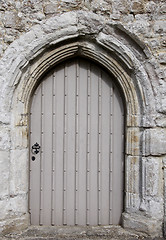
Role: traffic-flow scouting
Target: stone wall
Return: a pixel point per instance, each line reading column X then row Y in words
column 129, row 36
column 144, row 18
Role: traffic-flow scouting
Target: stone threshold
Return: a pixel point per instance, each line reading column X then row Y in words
column 76, row 232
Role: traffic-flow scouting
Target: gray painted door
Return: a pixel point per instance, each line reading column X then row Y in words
column 77, row 118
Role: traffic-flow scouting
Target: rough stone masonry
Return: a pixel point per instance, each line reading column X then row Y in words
column 128, row 37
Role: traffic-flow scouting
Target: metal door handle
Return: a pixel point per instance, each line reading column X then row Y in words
column 35, row 148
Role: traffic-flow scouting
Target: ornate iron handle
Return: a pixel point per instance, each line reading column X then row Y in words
column 35, row 148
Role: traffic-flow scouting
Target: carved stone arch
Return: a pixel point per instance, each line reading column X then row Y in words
column 29, row 63
column 132, row 96
column 90, row 51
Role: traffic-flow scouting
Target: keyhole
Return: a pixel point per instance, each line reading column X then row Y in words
column 33, row 158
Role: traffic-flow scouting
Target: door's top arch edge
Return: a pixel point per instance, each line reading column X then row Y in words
column 84, row 49
column 89, row 39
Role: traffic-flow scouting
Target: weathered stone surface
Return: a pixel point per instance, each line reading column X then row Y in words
column 4, row 206
column 162, row 58
column 50, row 8
column 160, row 26
column 133, row 138
column 150, row 7
column 4, row 173
column 77, row 232
column 154, row 142
column 142, row 224
column 11, row 20
column 19, row 168
column 153, row 175
column 14, row 224
column 137, row 7
column 5, row 138
column 158, row 141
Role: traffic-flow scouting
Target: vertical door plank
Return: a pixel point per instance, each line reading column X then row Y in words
column 41, row 157
column 35, row 132
column 70, row 161
column 94, row 147
column 111, row 132
column 82, row 144
column 99, row 160
column 58, row 141
column 105, row 140
column 117, row 158
column 53, row 150
column 47, row 149
column 76, row 145
column 88, row 150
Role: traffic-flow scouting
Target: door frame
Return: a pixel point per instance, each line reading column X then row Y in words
column 123, row 80
column 87, row 49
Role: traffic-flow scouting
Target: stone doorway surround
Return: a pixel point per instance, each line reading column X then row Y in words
column 131, row 63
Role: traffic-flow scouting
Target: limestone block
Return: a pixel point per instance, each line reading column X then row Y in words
column 137, row 7
column 27, row 38
column 101, row 6
column 133, row 136
column 4, row 206
column 120, row 6
column 155, row 206
column 148, row 120
column 29, row 7
column 15, row 224
column 18, row 204
column 140, row 223
column 11, row 20
column 141, row 26
column 161, row 121
column 4, row 138
column 50, row 8
column 4, row 116
column 133, row 120
column 38, row 31
column 89, row 23
column 162, row 58
column 39, row 16
column 4, row 173
column 52, row 24
column 9, row 39
column 162, row 8
column 151, row 7
column 154, row 142
column 18, row 119
column 132, row 169
column 70, row 4
column 158, row 141
column 160, row 26
column 19, row 137
column 153, row 175
column 19, row 171
column 163, row 102
column 11, row 32
column 127, row 18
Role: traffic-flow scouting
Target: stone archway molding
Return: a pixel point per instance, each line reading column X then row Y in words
column 32, row 55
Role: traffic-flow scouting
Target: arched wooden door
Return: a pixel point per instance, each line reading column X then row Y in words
column 76, row 147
